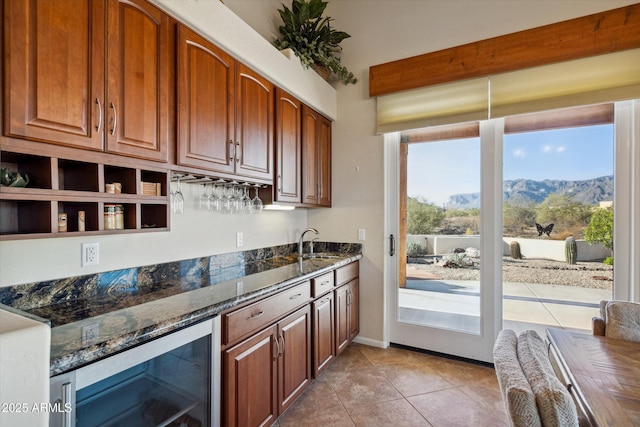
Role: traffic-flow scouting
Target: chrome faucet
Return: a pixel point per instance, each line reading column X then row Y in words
column 301, row 242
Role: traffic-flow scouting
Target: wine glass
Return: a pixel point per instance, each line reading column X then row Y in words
column 256, row 203
column 178, row 198
column 245, row 200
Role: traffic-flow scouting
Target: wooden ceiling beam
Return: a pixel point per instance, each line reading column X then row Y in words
column 610, row 31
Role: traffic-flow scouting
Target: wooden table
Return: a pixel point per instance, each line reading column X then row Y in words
column 602, row 375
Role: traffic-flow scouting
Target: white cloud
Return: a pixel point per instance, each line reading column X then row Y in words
column 560, row 149
column 520, row 153
column 547, row 148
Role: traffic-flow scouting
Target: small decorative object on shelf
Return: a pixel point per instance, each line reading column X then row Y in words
column 62, row 222
column 310, row 36
column 81, row 219
column 8, row 178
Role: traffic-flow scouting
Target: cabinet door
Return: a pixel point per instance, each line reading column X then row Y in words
column 310, row 185
column 323, row 333
column 139, row 60
column 324, row 161
column 254, row 125
column 354, row 309
column 288, row 145
column 294, row 363
column 342, row 318
column 205, row 104
column 250, row 381
column 54, row 71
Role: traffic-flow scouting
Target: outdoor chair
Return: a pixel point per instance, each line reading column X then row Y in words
column 532, row 393
column 619, row 320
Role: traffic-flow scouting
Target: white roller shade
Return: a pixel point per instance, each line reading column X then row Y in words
column 594, row 80
column 448, row 103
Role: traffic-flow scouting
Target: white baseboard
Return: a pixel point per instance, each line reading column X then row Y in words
column 371, row 342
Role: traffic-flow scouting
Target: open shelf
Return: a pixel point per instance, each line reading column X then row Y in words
column 124, row 176
column 25, row 216
column 59, row 185
column 73, row 208
column 37, row 168
column 78, row 176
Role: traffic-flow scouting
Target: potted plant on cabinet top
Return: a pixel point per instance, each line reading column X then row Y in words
column 310, row 36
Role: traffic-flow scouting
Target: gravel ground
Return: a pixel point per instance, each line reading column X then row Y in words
column 594, row 275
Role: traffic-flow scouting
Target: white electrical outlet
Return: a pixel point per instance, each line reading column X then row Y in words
column 90, row 334
column 239, row 239
column 90, row 254
column 362, row 234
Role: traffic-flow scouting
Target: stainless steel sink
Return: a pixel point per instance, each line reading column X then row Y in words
column 322, row 255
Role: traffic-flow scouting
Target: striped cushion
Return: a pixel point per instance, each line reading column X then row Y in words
column 555, row 405
column 516, row 393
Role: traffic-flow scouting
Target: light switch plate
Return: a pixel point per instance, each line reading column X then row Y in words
column 362, row 234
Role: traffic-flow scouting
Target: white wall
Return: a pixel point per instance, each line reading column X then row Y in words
column 383, row 31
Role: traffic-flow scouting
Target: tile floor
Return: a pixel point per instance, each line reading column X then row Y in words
column 368, row 386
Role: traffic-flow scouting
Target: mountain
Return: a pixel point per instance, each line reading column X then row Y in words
column 526, row 191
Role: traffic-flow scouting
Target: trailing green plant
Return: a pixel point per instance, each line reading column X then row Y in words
column 570, row 250
column 608, row 260
column 311, row 37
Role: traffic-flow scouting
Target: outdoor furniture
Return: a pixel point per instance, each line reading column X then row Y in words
column 532, row 393
column 619, row 320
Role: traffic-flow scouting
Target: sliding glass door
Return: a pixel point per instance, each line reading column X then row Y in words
column 458, row 197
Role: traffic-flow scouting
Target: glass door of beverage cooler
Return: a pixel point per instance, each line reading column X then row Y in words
column 171, row 381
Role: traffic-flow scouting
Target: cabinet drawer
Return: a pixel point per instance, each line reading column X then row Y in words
column 347, row 273
column 322, row 284
column 239, row 323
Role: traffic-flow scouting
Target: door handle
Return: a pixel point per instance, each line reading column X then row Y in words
column 392, row 245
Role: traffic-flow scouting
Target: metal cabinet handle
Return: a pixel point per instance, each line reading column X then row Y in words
column 295, row 296
column 275, row 356
column 279, row 183
column 66, row 401
column 256, row 315
column 115, row 118
column 326, row 282
column 232, row 150
column 238, row 152
column 99, row 115
column 282, row 349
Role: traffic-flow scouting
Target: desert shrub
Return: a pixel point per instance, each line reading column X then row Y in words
column 422, row 218
column 414, row 249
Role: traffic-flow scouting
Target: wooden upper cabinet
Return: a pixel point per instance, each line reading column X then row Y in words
column 316, row 158
column 324, row 160
column 54, row 71
column 225, row 111
column 139, row 60
column 92, row 74
column 287, row 148
column 205, row 104
column 254, row 124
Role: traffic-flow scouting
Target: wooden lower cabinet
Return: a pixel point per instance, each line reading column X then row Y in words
column 264, row 374
column 347, row 314
column 323, row 333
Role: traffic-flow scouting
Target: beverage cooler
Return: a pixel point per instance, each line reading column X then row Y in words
column 170, row 381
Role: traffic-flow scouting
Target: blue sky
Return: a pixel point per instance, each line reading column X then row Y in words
column 437, row 170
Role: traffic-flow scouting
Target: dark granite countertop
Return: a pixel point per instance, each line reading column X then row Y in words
column 125, row 319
